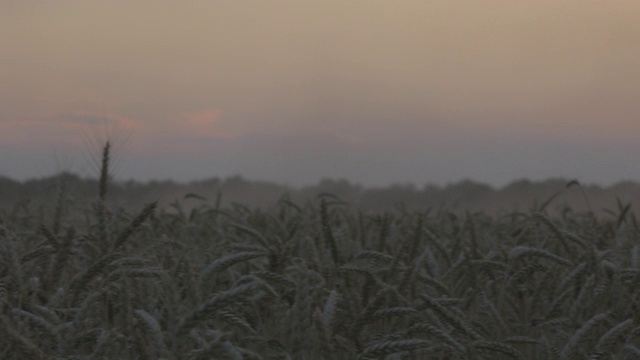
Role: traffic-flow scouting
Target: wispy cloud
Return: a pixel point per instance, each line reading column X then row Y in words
column 185, row 133
column 203, row 124
column 87, row 119
column 67, row 130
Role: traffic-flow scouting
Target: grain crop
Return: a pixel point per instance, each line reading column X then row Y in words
column 315, row 281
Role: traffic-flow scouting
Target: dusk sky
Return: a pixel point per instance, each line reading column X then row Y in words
column 376, row 92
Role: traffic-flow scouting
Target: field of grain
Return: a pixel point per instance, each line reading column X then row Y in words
column 318, row 281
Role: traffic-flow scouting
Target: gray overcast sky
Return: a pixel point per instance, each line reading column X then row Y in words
column 294, row 91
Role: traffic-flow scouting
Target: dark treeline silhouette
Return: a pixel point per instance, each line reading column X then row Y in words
column 462, row 196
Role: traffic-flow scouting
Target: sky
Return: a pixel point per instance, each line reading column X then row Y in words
column 375, row 92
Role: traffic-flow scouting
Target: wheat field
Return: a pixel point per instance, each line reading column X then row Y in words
column 315, row 281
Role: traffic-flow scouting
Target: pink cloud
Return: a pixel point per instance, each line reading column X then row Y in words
column 185, row 133
column 68, row 130
column 203, row 124
column 192, row 132
column 30, row 133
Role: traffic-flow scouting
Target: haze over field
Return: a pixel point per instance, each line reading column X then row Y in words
column 376, row 92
